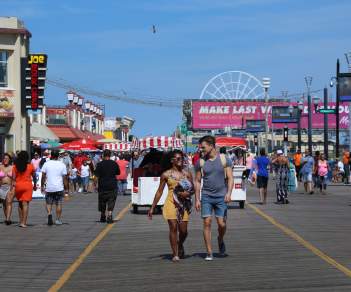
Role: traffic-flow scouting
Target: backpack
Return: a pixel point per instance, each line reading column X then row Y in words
column 223, row 161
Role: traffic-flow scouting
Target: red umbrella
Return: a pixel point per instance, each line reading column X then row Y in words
column 84, row 145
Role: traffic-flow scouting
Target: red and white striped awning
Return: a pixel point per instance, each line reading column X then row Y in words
column 160, row 142
column 119, row 146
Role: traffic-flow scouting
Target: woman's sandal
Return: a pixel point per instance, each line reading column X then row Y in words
column 23, row 226
column 181, row 251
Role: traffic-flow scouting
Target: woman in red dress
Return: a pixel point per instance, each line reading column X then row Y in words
column 23, row 175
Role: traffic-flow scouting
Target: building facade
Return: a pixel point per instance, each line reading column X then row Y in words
column 74, row 121
column 14, row 122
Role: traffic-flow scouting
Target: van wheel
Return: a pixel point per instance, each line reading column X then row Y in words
column 242, row 204
column 135, row 209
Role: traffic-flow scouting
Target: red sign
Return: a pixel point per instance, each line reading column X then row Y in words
column 234, row 114
column 238, row 186
column 34, row 86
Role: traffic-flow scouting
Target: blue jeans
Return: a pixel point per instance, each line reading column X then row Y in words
column 122, row 186
column 85, row 183
column 216, row 204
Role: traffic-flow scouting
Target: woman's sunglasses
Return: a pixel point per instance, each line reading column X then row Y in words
column 178, row 158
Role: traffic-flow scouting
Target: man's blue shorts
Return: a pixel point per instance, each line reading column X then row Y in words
column 210, row 203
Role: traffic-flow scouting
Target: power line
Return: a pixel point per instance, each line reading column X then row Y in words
column 143, row 99
column 157, row 101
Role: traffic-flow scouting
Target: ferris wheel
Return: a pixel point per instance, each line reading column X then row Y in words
column 233, row 85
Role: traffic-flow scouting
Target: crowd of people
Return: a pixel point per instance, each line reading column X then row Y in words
column 207, row 172
column 57, row 174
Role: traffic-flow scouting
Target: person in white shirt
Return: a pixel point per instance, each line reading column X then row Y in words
column 53, row 183
column 85, row 176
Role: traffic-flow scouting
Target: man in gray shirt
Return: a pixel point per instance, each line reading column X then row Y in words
column 216, row 173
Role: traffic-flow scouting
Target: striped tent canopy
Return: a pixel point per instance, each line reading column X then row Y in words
column 160, row 142
column 119, row 146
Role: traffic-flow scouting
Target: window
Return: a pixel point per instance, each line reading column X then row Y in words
column 3, row 68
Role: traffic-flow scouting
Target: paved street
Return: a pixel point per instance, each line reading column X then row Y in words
column 135, row 254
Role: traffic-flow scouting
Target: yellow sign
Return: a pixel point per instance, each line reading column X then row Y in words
column 108, row 134
column 36, row 59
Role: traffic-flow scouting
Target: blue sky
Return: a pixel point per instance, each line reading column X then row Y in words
column 109, row 46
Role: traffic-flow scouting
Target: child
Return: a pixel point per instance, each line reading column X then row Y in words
column 73, row 178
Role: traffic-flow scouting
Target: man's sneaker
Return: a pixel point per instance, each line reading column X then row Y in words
column 103, row 218
column 50, row 221
column 209, row 257
column 58, row 222
column 109, row 219
column 221, row 247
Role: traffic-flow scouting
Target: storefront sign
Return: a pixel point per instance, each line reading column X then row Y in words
column 34, row 80
column 6, row 103
column 235, row 114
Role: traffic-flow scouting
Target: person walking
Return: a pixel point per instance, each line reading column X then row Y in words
column 249, row 160
column 67, row 161
column 106, row 172
column 177, row 207
column 216, row 173
column 78, row 162
column 262, row 163
column 346, row 162
column 281, row 164
column 6, row 195
column 53, row 183
column 122, row 177
column 85, row 175
column 323, row 169
column 297, row 162
column 306, row 172
column 23, row 177
column 36, row 161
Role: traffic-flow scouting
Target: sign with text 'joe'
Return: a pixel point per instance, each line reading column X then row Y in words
column 34, row 75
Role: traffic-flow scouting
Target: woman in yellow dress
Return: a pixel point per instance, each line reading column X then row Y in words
column 177, row 207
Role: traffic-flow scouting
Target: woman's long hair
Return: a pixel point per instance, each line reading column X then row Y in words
column 166, row 161
column 22, row 161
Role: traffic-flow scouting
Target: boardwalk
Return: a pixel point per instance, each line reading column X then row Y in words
column 135, row 255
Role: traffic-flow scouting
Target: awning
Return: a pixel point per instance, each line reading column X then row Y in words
column 65, row 133
column 119, row 146
column 231, row 142
column 42, row 133
column 160, row 142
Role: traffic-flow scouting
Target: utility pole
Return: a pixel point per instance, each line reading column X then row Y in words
column 326, row 152
column 308, row 80
column 266, row 82
column 337, row 114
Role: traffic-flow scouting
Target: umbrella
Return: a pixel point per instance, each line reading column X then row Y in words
column 80, row 145
column 107, row 140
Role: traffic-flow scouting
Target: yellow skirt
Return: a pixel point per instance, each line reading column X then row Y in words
column 170, row 211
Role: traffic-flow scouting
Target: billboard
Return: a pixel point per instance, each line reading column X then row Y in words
column 345, row 88
column 209, row 115
column 255, row 126
column 281, row 114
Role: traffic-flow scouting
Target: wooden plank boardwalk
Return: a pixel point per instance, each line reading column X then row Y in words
column 135, row 254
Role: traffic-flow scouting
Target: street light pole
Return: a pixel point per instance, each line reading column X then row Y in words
column 300, row 110
column 326, row 124
column 337, row 114
column 266, row 81
column 308, row 80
